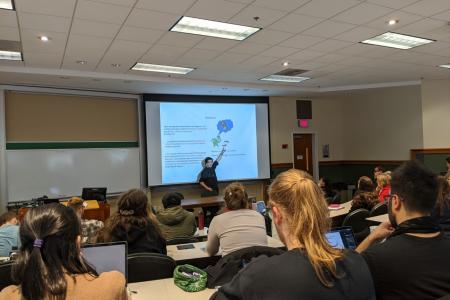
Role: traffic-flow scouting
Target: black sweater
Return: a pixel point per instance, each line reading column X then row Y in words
column 291, row 276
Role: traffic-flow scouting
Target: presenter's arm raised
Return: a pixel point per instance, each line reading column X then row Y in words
column 220, row 155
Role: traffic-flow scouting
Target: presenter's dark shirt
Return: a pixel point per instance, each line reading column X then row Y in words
column 410, row 267
column 290, row 276
column 208, row 176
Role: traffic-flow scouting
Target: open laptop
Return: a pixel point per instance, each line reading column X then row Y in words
column 105, row 257
column 341, row 238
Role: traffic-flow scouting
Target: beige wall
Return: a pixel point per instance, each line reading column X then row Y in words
column 326, row 123
column 370, row 124
column 436, row 113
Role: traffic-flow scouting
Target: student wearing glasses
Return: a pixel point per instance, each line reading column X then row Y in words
column 414, row 261
column 311, row 268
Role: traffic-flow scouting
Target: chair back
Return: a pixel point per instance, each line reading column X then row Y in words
column 5, row 274
column 149, row 266
column 181, row 240
column 446, row 297
column 357, row 221
column 379, row 209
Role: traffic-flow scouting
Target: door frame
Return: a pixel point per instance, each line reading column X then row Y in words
column 315, row 151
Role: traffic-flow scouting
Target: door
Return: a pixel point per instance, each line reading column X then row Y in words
column 303, row 152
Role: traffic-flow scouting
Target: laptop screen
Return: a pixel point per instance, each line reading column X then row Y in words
column 341, row 238
column 107, row 257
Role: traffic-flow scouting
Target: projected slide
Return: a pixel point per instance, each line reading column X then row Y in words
column 192, row 131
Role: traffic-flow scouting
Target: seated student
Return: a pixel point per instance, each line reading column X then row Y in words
column 414, row 261
column 9, row 233
column 239, row 227
column 134, row 223
column 441, row 212
column 89, row 228
column 330, row 195
column 383, row 186
column 365, row 196
column 311, row 268
column 174, row 220
column 50, row 266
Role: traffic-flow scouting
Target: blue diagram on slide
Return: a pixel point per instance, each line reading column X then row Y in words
column 222, row 126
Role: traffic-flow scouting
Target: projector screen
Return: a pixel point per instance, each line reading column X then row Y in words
column 180, row 135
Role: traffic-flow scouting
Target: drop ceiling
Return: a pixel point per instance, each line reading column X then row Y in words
column 321, row 36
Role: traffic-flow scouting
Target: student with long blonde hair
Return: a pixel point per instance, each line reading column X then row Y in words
column 311, row 268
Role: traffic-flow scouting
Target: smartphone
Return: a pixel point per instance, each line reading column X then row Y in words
column 185, row 246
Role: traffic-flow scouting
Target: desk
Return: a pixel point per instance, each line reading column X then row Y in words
column 202, row 202
column 165, row 289
column 343, row 211
column 379, row 219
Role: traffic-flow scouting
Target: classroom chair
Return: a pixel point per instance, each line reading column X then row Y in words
column 379, row 209
column 5, row 274
column 149, row 266
column 357, row 221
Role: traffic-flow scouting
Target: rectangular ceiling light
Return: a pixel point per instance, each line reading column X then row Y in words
column 161, row 68
column 445, row 66
column 213, row 28
column 396, row 40
column 10, row 55
column 283, row 78
column 6, row 4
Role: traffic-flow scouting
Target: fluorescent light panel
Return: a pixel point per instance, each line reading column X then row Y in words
column 213, row 28
column 10, row 55
column 445, row 66
column 396, row 40
column 6, row 4
column 161, row 68
column 283, row 78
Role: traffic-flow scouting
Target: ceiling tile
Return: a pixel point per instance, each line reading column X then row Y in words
column 211, row 43
column 166, row 52
column 266, row 16
column 428, row 8
column 325, row 8
column 12, row 63
column 301, row 41
column 85, row 27
column 358, row 34
column 403, row 19
column 269, row 37
column 233, row 58
column 117, row 2
column 357, row 49
column 170, row 6
column 43, row 60
column 61, row 8
column 125, row 53
column 397, row 4
column 151, row 19
column 328, row 29
column 32, row 44
column 179, row 39
column 295, row 23
column 249, row 48
column 216, row 10
column 44, row 22
column 70, row 62
column 306, row 55
column 101, row 12
column 433, row 48
column 201, row 54
column 285, row 5
column 258, row 61
column 330, row 58
column 362, row 13
column 138, row 34
column 8, row 18
column 9, row 33
column 81, row 47
column 329, row 45
column 421, row 27
column 444, row 16
column 279, row 51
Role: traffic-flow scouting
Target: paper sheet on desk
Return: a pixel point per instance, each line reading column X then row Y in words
column 335, row 207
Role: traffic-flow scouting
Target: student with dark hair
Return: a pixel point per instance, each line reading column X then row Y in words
column 378, row 170
column 174, row 220
column 89, row 228
column 9, row 233
column 50, row 265
column 365, row 196
column 330, row 195
column 311, row 268
column 239, row 227
column 413, row 263
column 134, row 223
column 441, row 212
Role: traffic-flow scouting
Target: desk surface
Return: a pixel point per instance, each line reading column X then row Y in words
column 202, row 202
column 199, row 250
column 164, row 289
column 379, row 219
column 343, row 211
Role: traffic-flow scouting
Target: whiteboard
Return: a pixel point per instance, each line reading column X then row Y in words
column 64, row 172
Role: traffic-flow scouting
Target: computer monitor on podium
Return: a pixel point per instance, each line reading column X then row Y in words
column 94, row 193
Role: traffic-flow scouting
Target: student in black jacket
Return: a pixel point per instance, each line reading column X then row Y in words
column 311, row 268
column 133, row 222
